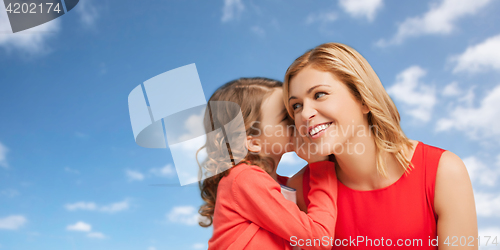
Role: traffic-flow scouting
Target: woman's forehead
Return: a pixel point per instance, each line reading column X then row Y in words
column 310, row 78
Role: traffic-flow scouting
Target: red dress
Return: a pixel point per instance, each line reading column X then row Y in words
column 399, row 215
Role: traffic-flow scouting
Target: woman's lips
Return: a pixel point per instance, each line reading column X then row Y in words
column 318, row 130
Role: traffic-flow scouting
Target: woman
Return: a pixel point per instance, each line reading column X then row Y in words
column 245, row 203
column 392, row 191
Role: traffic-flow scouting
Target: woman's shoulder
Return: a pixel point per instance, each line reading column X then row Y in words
column 451, row 169
column 453, row 187
column 451, row 166
column 445, row 160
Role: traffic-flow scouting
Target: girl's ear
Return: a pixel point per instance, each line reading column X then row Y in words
column 253, row 144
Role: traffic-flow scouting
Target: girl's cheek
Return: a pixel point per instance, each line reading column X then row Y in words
column 289, row 131
column 298, row 124
column 266, row 132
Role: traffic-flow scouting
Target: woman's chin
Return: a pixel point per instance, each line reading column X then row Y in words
column 329, row 145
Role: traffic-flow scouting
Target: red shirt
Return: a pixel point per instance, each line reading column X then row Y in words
column 402, row 213
column 251, row 213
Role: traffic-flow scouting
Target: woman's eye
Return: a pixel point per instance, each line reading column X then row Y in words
column 319, row 94
column 296, row 106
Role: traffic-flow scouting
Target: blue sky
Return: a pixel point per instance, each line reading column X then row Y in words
column 71, row 175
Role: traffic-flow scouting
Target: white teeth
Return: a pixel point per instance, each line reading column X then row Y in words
column 318, row 129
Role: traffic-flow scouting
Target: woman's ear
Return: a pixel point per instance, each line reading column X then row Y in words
column 253, row 144
column 365, row 109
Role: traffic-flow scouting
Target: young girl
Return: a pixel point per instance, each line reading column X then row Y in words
column 244, row 203
column 392, row 191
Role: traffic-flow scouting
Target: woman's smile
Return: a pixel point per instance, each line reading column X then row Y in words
column 317, row 131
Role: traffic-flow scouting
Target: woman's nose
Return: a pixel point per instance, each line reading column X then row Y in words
column 308, row 112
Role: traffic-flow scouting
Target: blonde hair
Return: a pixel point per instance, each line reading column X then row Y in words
column 249, row 94
column 356, row 73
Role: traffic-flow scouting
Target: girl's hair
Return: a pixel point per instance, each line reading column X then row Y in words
column 249, row 94
column 354, row 71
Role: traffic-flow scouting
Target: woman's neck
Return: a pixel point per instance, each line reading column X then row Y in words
column 359, row 170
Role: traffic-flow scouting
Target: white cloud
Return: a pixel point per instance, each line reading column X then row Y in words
column 231, row 10
column 477, row 123
column 258, row 30
column 199, row 246
column 166, row 171
column 87, row 228
column 468, row 98
column 480, row 57
column 115, row 207
column 322, row 18
column 79, row 226
column 151, row 248
column 88, row 12
column 91, row 206
column 440, row 19
column 187, row 215
column 480, row 173
column 12, row 222
column 3, row 153
column 9, row 192
column 418, row 98
column 194, row 126
column 487, row 204
column 185, row 146
column 96, row 235
column 31, row 41
column 81, row 206
column 455, row 95
column 451, row 89
column 134, row 175
column 362, row 8
column 190, row 146
column 192, row 137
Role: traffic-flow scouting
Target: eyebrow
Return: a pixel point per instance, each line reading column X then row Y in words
column 308, row 91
